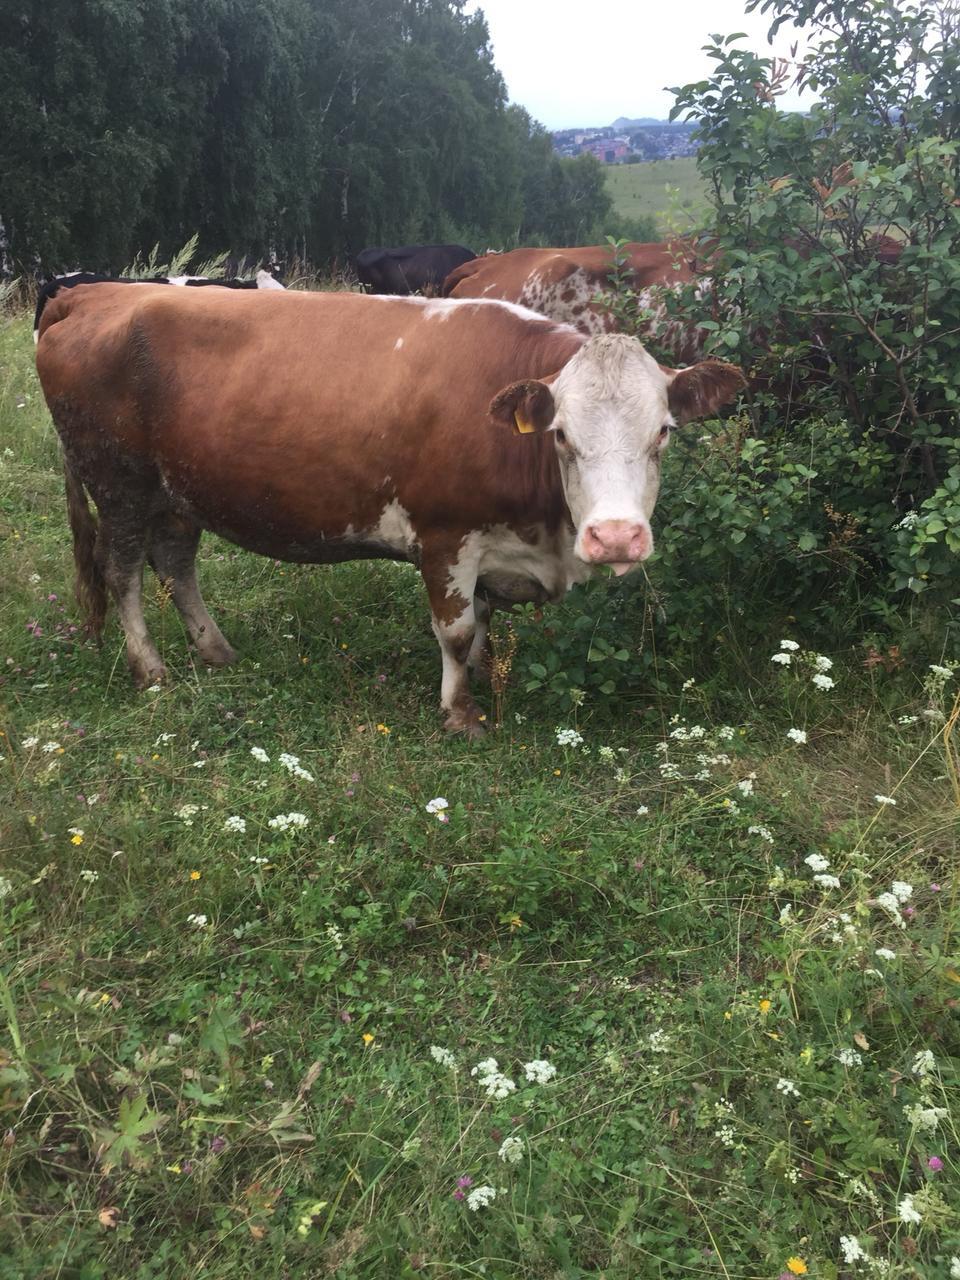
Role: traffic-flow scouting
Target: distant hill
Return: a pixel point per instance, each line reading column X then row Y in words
column 623, row 122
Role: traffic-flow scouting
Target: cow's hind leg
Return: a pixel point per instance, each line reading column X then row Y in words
column 120, row 552
column 173, row 553
column 478, row 659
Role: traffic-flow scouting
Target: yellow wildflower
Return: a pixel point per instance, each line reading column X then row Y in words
column 556, row 773
column 728, row 1015
column 77, row 839
column 384, row 729
column 195, row 875
column 797, row 1266
column 515, row 922
column 367, row 1038
column 765, row 1006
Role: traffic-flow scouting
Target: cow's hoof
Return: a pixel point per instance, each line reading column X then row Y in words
column 469, row 726
column 216, row 653
column 147, row 677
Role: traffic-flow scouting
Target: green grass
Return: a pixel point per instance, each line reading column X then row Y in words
column 256, row 1095
column 670, row 190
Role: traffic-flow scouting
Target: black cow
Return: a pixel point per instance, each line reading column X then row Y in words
column 412, row 268
column 262, row 280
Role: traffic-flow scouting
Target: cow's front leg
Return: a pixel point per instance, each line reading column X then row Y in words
column 450, row 587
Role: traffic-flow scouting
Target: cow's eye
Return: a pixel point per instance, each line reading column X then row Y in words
column 664, row 431
column 561, row 436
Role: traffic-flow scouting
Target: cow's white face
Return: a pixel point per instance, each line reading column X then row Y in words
column 611, row 425
column 609, row 413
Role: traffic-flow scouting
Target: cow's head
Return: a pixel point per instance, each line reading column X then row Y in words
column 609, row 412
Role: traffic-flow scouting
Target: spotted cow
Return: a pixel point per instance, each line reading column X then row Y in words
column 504, row 455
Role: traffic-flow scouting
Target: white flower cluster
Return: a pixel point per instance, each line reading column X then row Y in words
column 817, row 662
column 289, row 821
column 187, row 812
column 292, row 765
column 907, row 1212
column 924, row 1063
column 334, row 936
column 569, row 738
column 511, row 1150
column 884, row 953
column 658, row 1041
column 787, row 1088
column 443, row 1057
column 539, row 1071
column 797, row 735
column 235, row 823
column 198, row 921
column 927, row 1118
column 6, row 887
column 490, row 1077
column 258, row 753
column 438, row 808
column 817, row 862
column 480, row 1198
column 851, row 1249
column 827, row 881
column 90, row 877
column 885, row 800
column 900, row 892
column 955, row 1268
column 763, row 832
column 849, row 1057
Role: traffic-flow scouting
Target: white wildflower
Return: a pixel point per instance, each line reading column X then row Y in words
column 50, row 747
column 821, row 663
column 688, row 684
column 783, row 658
column 822, row 681
column 924, row 1063
column 797, row 735
column 730, row 806
column 890, row 903
column 164, row 738
column 885, row 800
column 851, row 1250
column 817, row 862
column 778, row 879
column 884, row 953
column 786, row 915
column 258, row 753
column 480, row 1198
column 490, row 1077
column 909, row 521
column 235, row 823
column 642, row 811
column 335, row 936
column 606, row 754
column 569, row 738
column 907, row 719
column 944, row 673
column 827, row 881
column 198, row 921
column 539, row 1071
column 437, row 806
column 787, row 1088
column 91, row 877
column 726, row 733
column 907, row 1213
column 927, row 1118
column 955, row 1268
column 511, row 1150
column 745, row 785
column 259, row 862
column 187, row 812
column 658, row 1041
column 849, row 1058
column 902, row 891
column 6, row 887
column 286, row 821
column 292, row 765
column 29, row 743
column 763, row 832
column 789, row 644
column 443, row 1057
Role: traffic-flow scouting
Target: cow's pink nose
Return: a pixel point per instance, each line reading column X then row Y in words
column 617, row 542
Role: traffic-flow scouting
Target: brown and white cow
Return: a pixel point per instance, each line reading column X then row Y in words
column 563, row 283
column 503, row 454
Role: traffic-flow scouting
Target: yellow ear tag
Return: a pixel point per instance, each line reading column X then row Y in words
column 523, row 426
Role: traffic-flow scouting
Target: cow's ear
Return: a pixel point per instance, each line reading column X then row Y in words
column 524, row 406
column 699, row 391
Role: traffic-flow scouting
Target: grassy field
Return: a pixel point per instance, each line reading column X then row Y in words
column 709, row 937
column 671, row 190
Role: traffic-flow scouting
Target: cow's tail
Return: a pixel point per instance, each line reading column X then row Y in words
column 91, row 586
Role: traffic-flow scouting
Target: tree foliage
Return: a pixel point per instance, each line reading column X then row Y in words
column 290, row 127
column 835, row 239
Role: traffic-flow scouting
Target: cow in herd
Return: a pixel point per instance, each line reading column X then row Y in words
column 262, row 280
column 504, row 454
column 413, row 268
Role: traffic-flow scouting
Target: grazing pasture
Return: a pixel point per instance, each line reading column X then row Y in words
column 293, row 984
column 671, row 190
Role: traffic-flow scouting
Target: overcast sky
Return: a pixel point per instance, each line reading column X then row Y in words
column 586, row 62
